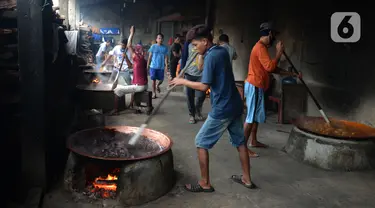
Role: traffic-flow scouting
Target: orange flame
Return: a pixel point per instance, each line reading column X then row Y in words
column 107, row 185
column 96, row 81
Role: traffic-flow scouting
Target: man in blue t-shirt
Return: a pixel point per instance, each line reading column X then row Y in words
column 157, row 63
column 226, row 109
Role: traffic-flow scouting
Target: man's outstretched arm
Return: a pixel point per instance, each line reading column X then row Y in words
column 195, row 85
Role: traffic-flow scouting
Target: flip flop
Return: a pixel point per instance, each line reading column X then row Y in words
column 114, row 113
column 192, row 120
column 196, row 188
column 238, row 179
column 252, row 154
column 138, row 111
column 258, row 146
column 199, row 117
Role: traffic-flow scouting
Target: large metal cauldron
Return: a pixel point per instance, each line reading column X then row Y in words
column 84, row 142
column 341, row 146
column 98, row 96
column 339, row 129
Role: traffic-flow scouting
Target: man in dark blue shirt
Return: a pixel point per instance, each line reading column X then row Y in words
column 226, row 109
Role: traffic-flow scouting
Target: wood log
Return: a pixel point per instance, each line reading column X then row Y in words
column 106, row 182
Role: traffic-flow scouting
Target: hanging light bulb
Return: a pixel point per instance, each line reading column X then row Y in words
column 134, row 1
column 124, row 5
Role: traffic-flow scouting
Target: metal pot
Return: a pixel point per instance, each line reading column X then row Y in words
column 339, row 129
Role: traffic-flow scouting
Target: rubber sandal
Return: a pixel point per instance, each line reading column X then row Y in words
column 198, row 188
column 138, row 111
column 238, row 179
column 252, row 154
column 114, row 113
column 258, row 146
column 192, row 120
column 199, row 117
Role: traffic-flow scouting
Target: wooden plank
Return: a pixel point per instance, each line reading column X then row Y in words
column 210, row 13
column 31, row 63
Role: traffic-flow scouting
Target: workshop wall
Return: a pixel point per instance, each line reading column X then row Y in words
column 339, row 74
column 102, row 15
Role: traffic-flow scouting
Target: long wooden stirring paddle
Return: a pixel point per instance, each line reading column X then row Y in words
column 138, row 134
column 308, row 90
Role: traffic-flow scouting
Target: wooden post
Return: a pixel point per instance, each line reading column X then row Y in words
column 78, row 13
column 72, row 14
column 210, row 14
column 64, row 11
column 32, row 69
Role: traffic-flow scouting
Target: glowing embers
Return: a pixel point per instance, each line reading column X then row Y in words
column 103, row 186
column 96, row 81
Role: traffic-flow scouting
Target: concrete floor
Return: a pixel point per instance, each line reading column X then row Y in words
column 283, row 182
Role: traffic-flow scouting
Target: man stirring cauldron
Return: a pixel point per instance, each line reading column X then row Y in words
column 103, row 50
column 226, row 109
column 119, row 52
column 257, row 82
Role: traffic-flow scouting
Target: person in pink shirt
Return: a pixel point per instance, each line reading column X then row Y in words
column 139, row 65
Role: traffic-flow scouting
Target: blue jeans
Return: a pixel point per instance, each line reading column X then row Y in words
column 213, row 129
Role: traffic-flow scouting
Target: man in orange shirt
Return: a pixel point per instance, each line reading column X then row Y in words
column 257, row 82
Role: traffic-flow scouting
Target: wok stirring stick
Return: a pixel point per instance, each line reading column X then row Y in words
column 139, row 132
column 309, row 91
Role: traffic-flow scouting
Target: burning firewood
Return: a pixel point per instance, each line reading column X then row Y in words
column 105, row 182
column 96, row 81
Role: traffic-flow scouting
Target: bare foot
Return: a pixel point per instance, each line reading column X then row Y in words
column 203, row 185
column 158, row 89
column 257, row 144
column 252, row 154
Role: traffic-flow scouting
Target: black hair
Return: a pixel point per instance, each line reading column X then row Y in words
column 124, row 41
column 108, row 40
column 199, row 32
column 265, row 32
column 177, row 36
column 224, row 38
column 161, row 34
